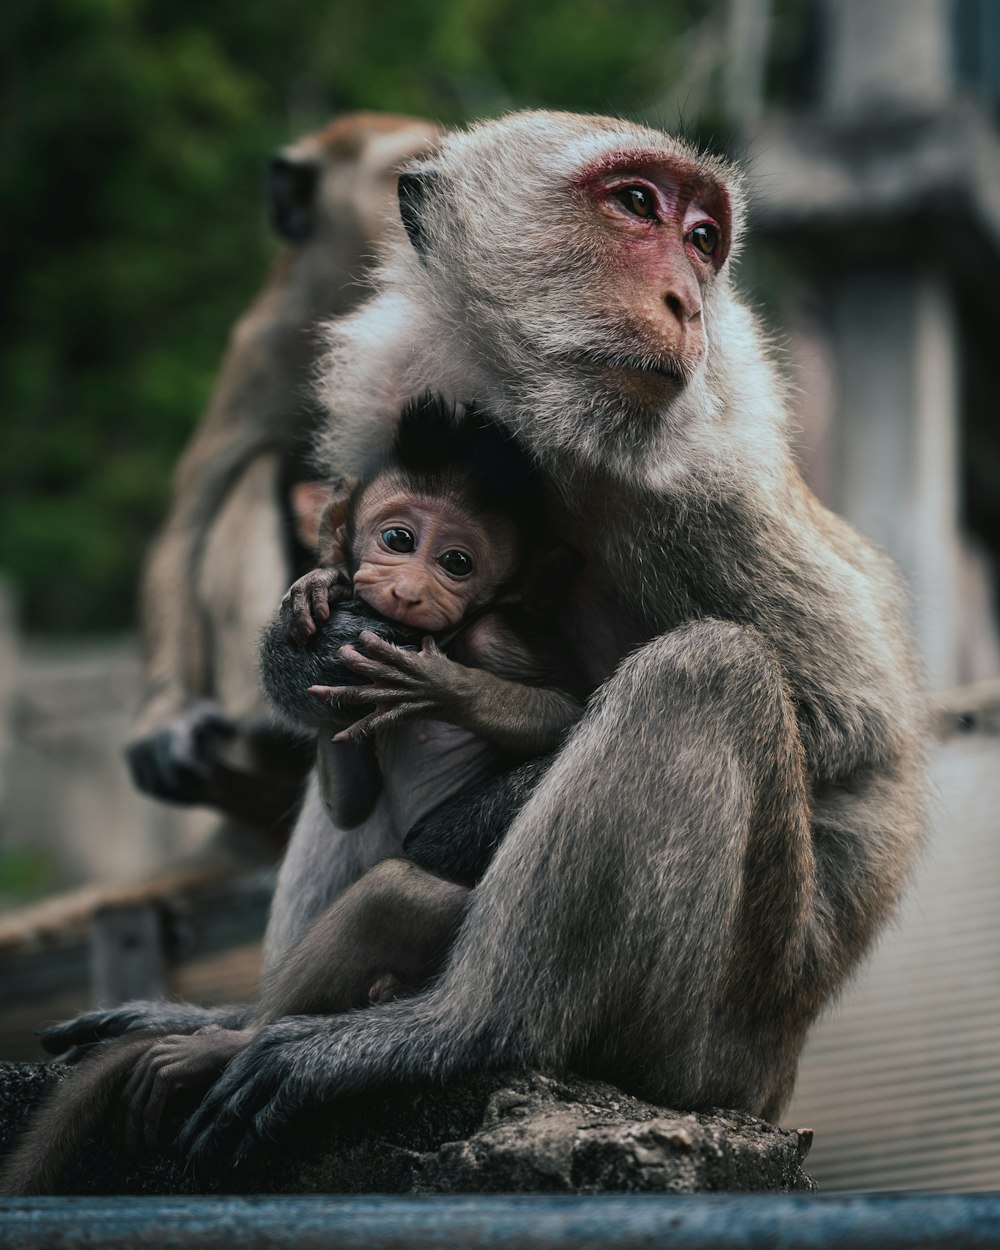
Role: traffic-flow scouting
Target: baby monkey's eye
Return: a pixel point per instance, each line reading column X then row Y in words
column 456, row 563
column 398, row 539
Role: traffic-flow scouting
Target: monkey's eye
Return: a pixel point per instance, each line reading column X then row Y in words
column 639, row 201
column 705, row 238
column 456, row 563
column 398, row 539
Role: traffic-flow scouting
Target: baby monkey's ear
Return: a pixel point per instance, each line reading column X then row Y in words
column 333, row 523
column 308, row 501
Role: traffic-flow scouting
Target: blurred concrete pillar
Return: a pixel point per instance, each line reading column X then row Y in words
column 748, row 32
column 886, row 56
column 895, row 440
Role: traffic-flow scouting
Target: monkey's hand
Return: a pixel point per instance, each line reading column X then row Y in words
column 175, row 761
column 516, row 717
column 274, row 1077
column 71, row 1039
column 172, row 1065
column 404, row 685
column 307, row 605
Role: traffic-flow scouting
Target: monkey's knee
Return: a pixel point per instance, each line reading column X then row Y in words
column 402, row 886
column 709, row 668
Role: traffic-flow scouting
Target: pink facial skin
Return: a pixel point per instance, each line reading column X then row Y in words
column 413, row 552
column 660, row 233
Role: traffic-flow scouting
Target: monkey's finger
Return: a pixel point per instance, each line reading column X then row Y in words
column 145, row 1067
column 215, row 1130
column 364, row 665
column 353, row 696
column 213, row 722
column 298, row 622
column 384, row 720
column 167, row 1081
column 267, row 1124
column 136, row 1095
column 388, row 653
column 319, row 602
column 83, row 1032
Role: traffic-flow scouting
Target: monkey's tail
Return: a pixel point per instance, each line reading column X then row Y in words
column 64, row 1125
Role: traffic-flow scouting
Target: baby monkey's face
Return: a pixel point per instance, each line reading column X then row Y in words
column 427, row 561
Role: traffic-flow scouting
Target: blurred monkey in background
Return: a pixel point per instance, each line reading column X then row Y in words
column 244, row 515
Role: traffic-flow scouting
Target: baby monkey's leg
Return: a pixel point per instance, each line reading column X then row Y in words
column 397, row 922
column 382, row 939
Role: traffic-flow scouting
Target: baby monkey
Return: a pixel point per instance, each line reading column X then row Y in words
column 425, row 649
column 436, row 608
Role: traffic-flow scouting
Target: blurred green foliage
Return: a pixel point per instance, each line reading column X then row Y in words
column 25, row 874
column 133, row 135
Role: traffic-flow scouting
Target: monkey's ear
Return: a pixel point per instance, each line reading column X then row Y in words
column 412, row 191
column 309, row 501
column 333, row 523
column 292, row 182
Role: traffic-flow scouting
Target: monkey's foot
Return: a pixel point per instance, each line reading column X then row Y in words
column 389, row 987
column 274, row 1077
column 71, row 1039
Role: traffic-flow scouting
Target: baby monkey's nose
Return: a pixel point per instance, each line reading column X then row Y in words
column 408, row 594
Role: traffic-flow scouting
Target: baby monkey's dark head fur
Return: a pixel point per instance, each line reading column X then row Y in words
column 445, row 522
column 442, row 453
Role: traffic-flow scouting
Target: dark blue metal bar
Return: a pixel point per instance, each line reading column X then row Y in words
column 639, row 1222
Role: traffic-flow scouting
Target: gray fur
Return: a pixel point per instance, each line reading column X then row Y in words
column 725, row 831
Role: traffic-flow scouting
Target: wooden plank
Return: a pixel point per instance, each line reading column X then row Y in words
column 127, row 954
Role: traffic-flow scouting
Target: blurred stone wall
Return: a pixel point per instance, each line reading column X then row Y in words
column 65, row 793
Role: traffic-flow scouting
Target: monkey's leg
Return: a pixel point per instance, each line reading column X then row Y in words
column 653, row 916
column 322, row 860
column 67, row 1119
column 398, row 919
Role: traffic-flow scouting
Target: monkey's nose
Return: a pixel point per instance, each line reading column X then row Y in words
column 685, row 305
column 408, row 595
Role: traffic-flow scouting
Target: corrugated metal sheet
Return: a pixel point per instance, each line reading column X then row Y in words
column 901, row 1081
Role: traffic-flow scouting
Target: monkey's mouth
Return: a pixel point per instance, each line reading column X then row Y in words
column 669, row 368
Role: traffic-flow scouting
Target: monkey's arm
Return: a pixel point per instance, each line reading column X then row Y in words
column 522, row 719
column 249, row 422
column 350, row 779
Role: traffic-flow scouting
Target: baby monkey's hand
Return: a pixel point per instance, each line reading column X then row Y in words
column 404, row 685
column 307, row 605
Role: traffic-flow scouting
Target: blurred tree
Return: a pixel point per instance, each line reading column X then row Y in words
column 132, row 138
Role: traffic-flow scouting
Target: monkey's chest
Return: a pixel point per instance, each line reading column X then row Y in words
column 425, row 762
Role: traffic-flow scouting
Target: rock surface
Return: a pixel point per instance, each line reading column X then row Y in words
column 497, row 1132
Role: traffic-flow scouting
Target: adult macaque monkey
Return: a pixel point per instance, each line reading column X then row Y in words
column 735, row 815
column 243, row 515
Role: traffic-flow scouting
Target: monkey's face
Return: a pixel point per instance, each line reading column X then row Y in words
column 583, row 263
column 427, row 561
column 659, row 231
